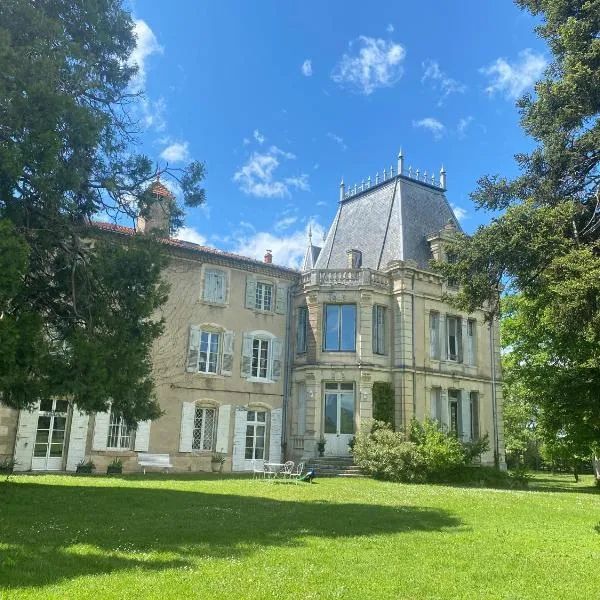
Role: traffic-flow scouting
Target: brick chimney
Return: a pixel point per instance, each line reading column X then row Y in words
column 268, row 257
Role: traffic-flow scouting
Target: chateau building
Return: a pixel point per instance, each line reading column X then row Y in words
column 261, row 362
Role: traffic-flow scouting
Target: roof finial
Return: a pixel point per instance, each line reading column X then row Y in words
column 310, row 234
column 342, row 189
column 400, row 163
column 377, row 178
column 443, row 178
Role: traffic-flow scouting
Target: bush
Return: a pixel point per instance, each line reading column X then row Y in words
column 422, row 453
column 383, row 402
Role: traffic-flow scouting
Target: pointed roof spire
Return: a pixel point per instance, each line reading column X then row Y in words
column 310, row 234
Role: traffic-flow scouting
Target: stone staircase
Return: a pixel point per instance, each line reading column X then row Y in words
column 332, row 466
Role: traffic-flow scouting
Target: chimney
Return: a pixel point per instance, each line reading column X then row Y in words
column 159, row 211
column 354, row 259
column 268, row 257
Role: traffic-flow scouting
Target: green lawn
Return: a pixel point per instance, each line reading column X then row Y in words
column 189, row 537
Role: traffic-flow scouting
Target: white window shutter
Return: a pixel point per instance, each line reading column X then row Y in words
column 374, row 329
column 281, row 299
column 445, row 416
column 462, row 339
column 223, row 428
column 223, row 289
column 275, row 345
column 239, row 439
column 101, row 423
column 228, row 346
column 25, row 441
column 186, row 433
column 247, row 355
column 77, row 439
column 275, row 436
column 142, row 436
column 443, row 338
column 433, row 404
column 465, row 417
column 250, row 292
column 193, row 349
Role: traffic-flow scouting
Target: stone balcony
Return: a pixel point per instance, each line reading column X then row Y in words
column 346, row 278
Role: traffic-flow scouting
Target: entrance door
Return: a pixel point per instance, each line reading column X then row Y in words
column 50, row 436
column 339, row 418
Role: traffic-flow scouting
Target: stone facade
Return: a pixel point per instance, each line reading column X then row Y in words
column 263, row 362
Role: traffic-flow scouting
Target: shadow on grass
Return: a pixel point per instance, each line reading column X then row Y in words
column 50, row 533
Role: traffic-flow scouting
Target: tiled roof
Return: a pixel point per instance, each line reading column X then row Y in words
column 197, row 248
column 160, row 190
column 310, row 257
column 388, row 222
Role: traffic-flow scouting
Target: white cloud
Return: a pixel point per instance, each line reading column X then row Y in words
column 306, row 67
column 433, row 125
column 378, row 63
column 189, row 234
column 245, row 141
column 459, row 212
column 258, row 136
column 390, row 28
column 176, row 152
column 462, row 126
column 338, row 140
column 284, row 223
column 257, row 176
column 153, row 113
column 146, row 45
column 287, row 250
column 321, row 203
column 440, row 81
column 513, row 79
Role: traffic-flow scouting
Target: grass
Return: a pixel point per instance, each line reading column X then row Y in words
column 224, row 537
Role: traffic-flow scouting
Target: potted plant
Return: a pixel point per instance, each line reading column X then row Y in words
column 6, row 466
column 321, row 446
column 85, row 466
column 217, row 461
column 115, row 467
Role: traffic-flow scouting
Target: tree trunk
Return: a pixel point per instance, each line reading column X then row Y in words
column 596, row 465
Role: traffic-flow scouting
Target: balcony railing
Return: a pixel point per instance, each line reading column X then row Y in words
column 346, row 277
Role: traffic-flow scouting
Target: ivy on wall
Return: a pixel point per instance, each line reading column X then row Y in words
column 383, row 402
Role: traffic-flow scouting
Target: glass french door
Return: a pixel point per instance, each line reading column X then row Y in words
column 338, row 426
column 50, row 436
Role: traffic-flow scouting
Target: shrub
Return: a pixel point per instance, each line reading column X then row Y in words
column 383, row 402
column 424, row 452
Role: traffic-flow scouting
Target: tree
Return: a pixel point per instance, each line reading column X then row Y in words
column 546, row 243
column 77, row 307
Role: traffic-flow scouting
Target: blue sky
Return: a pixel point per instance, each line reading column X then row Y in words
column 282, row 99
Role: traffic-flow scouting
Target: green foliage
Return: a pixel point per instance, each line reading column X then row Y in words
column 77, row 317
column 383, row 402
column 545, row 244
column 423, row 452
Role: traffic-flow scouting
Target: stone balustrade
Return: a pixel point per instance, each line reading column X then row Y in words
column 346, row 278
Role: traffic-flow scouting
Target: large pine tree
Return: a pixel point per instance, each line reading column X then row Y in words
column 76, row 317
column 546, row 244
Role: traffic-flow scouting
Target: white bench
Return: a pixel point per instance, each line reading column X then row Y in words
column 160, row 461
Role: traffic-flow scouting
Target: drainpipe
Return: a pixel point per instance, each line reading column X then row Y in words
column 414, row 358
column 288, row 368
column 494, row 407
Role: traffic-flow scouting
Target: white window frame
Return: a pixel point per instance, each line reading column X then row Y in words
column 203, row 434
column 471, row 358
column 261, row 288
column 379, row 327
column 434, row 335
column 220, row 273
column 339, row 325
column 217, row 362
column 455, row 397
column 125, row 436
column 457, row 337
column 475, row 407
column 262, row 341
column 254, row 424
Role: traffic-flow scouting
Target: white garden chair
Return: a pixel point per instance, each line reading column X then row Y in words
column 297, row 472
column 286, row 471
column 258, row 469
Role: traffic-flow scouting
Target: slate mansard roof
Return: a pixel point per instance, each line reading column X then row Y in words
column 387, row 222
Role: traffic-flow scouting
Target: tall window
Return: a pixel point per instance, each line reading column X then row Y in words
column 454, row 411
column 301, row 330
column 256, row 429
column 215, row 286
column 434, row 335
column 379, row 319
column 340, row 327
column 204, row 428
column 454, row 338
column 120, row 436
column 208, row 357
column 264, row 296
column 260, row 358
column 471, row 341
column 436, row 404
column 474, row 400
